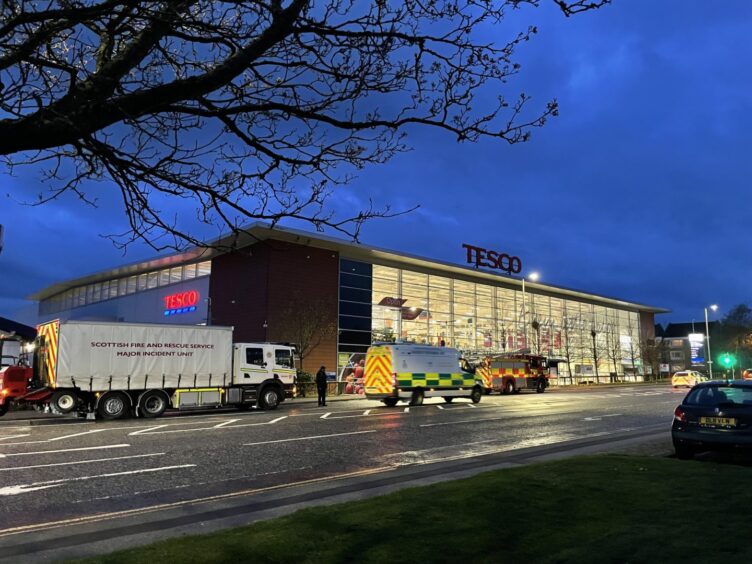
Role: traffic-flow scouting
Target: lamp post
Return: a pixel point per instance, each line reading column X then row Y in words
column 533, row 277
column 709, row 359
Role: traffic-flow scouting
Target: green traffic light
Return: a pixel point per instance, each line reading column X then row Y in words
column 727, row 360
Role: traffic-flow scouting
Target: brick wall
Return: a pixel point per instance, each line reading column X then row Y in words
column 255, row 286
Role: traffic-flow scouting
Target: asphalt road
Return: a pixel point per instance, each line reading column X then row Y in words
column 59, row 473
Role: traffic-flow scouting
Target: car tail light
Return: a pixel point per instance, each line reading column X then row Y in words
column 680, row 415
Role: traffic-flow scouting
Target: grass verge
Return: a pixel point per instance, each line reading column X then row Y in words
column 589, row 509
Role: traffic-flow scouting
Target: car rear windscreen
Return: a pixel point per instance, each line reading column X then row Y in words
column 712, row 396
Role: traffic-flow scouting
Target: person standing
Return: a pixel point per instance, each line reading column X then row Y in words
column 321, row 385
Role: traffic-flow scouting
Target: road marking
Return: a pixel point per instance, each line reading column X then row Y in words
column 219, row 425
column 366, row 412
column 35, row 486
column 440, row 406
column 407, row 410
column 326, row 415
column 310, row 438
column 62, row 450
column 203, row 500
column 81, row 462
column 146, row 430
column 600, row 417
column 471, row 405
column 213, row 428
column 14, row 437
column 76, row 435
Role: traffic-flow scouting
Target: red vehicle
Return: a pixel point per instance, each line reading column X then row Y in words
column 512, row 373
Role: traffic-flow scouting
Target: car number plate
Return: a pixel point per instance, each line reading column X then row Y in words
column 718, row 421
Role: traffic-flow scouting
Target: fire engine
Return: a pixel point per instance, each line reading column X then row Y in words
column 514, row 372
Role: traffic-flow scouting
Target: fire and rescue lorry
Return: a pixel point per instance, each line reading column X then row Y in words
column 508, row 373
column 115, row 370
column 413, row 372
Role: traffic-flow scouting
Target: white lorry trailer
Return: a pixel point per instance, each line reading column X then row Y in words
column 121, row 369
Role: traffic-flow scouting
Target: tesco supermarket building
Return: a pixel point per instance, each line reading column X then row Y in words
column 370, row 294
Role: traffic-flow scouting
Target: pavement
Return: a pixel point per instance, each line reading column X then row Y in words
column 71, row 490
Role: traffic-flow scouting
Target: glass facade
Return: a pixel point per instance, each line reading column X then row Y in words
column 381, row 303
column 118, row 287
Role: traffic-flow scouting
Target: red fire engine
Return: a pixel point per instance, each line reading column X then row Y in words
column 512, row 373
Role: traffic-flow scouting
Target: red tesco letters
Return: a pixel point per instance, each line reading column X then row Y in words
column 181, row 299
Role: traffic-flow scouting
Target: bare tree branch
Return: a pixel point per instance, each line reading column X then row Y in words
column 254, row 109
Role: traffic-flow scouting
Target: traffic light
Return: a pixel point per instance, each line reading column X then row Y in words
column 727, row 360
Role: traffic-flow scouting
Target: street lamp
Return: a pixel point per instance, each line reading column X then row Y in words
column 533, row 278
column 709, row 358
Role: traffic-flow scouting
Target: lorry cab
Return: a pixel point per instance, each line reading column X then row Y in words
column 255, row 362
column 413, row 372
column 512, row 373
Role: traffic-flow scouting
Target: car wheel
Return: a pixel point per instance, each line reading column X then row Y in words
column 4, row 408
column 684, row 453
column 448, row 399
column 390, row 402
column 417, row 398
column 269, row 398
column 508, row 388
column 113, row 405
column 476, row 395
column 153, row 404
column 63, row 401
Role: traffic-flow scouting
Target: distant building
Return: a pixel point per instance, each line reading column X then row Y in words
column 683, row 345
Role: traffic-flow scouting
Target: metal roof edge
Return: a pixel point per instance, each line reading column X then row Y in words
column 257, row 232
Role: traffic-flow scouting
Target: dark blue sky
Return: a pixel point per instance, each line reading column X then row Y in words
column 638, row 190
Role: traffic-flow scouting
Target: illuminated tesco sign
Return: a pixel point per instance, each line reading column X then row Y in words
column 182, row 302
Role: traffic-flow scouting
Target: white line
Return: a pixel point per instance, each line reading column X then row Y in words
column 146, row 430
column 440, row 406
column 218, row 425
column 366, row 412
column 277, row 419
column 309, row 438
column 62, row 450
column 77, row 435
column 81, row 462
column 14, row 437
column 471, row 405
column 24, row 488
column 326, row 415
column 407, row 410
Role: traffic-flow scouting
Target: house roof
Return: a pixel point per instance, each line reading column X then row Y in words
column 681, row 330
column 260, row 232
column 11, row 329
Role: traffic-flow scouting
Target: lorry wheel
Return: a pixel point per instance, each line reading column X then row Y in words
column 417, row 398
column 476, row 394
column 448, row 399
column 390, row 402
column 269, row 398
column 4, row 408
column 153, row 404
column 113, row 405
column 63, row 401
column 540, row 386
column 508, row 388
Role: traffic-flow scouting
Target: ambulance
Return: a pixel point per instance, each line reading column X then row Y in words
column 412, row 372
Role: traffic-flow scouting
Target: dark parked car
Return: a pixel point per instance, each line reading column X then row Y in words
column 714, row 416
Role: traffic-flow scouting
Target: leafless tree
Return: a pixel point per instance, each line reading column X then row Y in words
column 305, row 323
column 252, row 109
